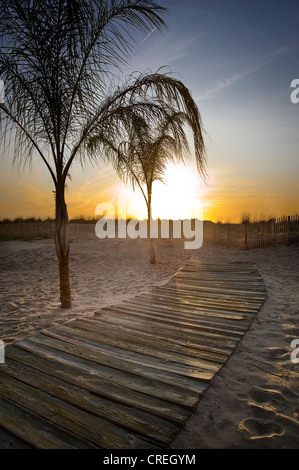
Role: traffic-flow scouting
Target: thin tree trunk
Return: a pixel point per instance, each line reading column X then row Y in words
column 151, row 243
column 62, row 244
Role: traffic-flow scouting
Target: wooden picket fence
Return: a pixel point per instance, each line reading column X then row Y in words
column 250, row 235
column 274, row 232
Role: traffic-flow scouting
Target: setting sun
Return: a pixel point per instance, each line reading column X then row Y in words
column 149, row 227
column 178, row 197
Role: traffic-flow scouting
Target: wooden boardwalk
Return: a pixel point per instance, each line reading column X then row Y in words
column 130, row 376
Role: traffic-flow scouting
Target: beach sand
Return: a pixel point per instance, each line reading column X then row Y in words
column 253, row 401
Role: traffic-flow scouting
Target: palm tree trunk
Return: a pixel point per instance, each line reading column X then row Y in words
column 151, row 243
column 62, row 246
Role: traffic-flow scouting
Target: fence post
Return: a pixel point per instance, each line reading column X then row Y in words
column 288, row 230
column 228, row 234
column 246, row 236
column 171, row 232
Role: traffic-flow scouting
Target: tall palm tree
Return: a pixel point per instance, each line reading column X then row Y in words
column 57, row 59
column 146, row 147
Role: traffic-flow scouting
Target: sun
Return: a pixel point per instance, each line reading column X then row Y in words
column 180, row 196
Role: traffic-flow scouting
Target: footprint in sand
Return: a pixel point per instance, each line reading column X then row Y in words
column 264, row 406
column 267, row 397
column 277, row 353
column 259, row 429
column 262, row 412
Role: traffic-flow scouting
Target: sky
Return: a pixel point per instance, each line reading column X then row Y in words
column 238, row 59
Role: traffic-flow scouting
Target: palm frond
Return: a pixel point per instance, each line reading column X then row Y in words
column 142, row 127
column 57, row 59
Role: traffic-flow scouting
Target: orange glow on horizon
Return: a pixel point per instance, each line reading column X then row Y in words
column 224, row 198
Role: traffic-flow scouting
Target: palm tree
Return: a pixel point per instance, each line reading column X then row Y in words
column 57, row 61
column 146, row 147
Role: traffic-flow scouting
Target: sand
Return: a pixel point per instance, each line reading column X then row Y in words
column 253, row 401
column 102, row 272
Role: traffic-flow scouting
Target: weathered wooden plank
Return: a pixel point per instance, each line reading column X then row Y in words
column 247, row 307
column 233, row 286
column 254, row 306
column 217, row 267
column 91, row 428
column 140, row 337
column 193, row 293
column 225, row 276
column 127, row 354
column 204, row 301
column 155, row 327
column 196, row 327
column 198, row 322
column 217, row 270
column 195, row 267
column 223, row 293
column 218, row 284
column 229, row 278
column 217, row 304
column 195, row 310
column 96, row 338
column 196, row 342
column 176, row 291
column 146, row 425
column 39, row 343
column 221, row 276
column 123, row 360
column 188, row 315
column 214, row 265
column 168, row 402
column 36, row 431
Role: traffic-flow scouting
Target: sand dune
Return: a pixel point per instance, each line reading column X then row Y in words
column 253, row 401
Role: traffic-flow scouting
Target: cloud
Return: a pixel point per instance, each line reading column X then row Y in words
column 164, row 50
column 236, row 77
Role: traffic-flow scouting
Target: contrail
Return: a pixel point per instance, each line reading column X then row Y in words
column 148, row 36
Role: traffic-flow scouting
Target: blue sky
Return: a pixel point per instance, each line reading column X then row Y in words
column 238, row 58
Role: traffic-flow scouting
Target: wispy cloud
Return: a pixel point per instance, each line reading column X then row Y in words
column 164, row 50
column 236, row 77
column 221, row 85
